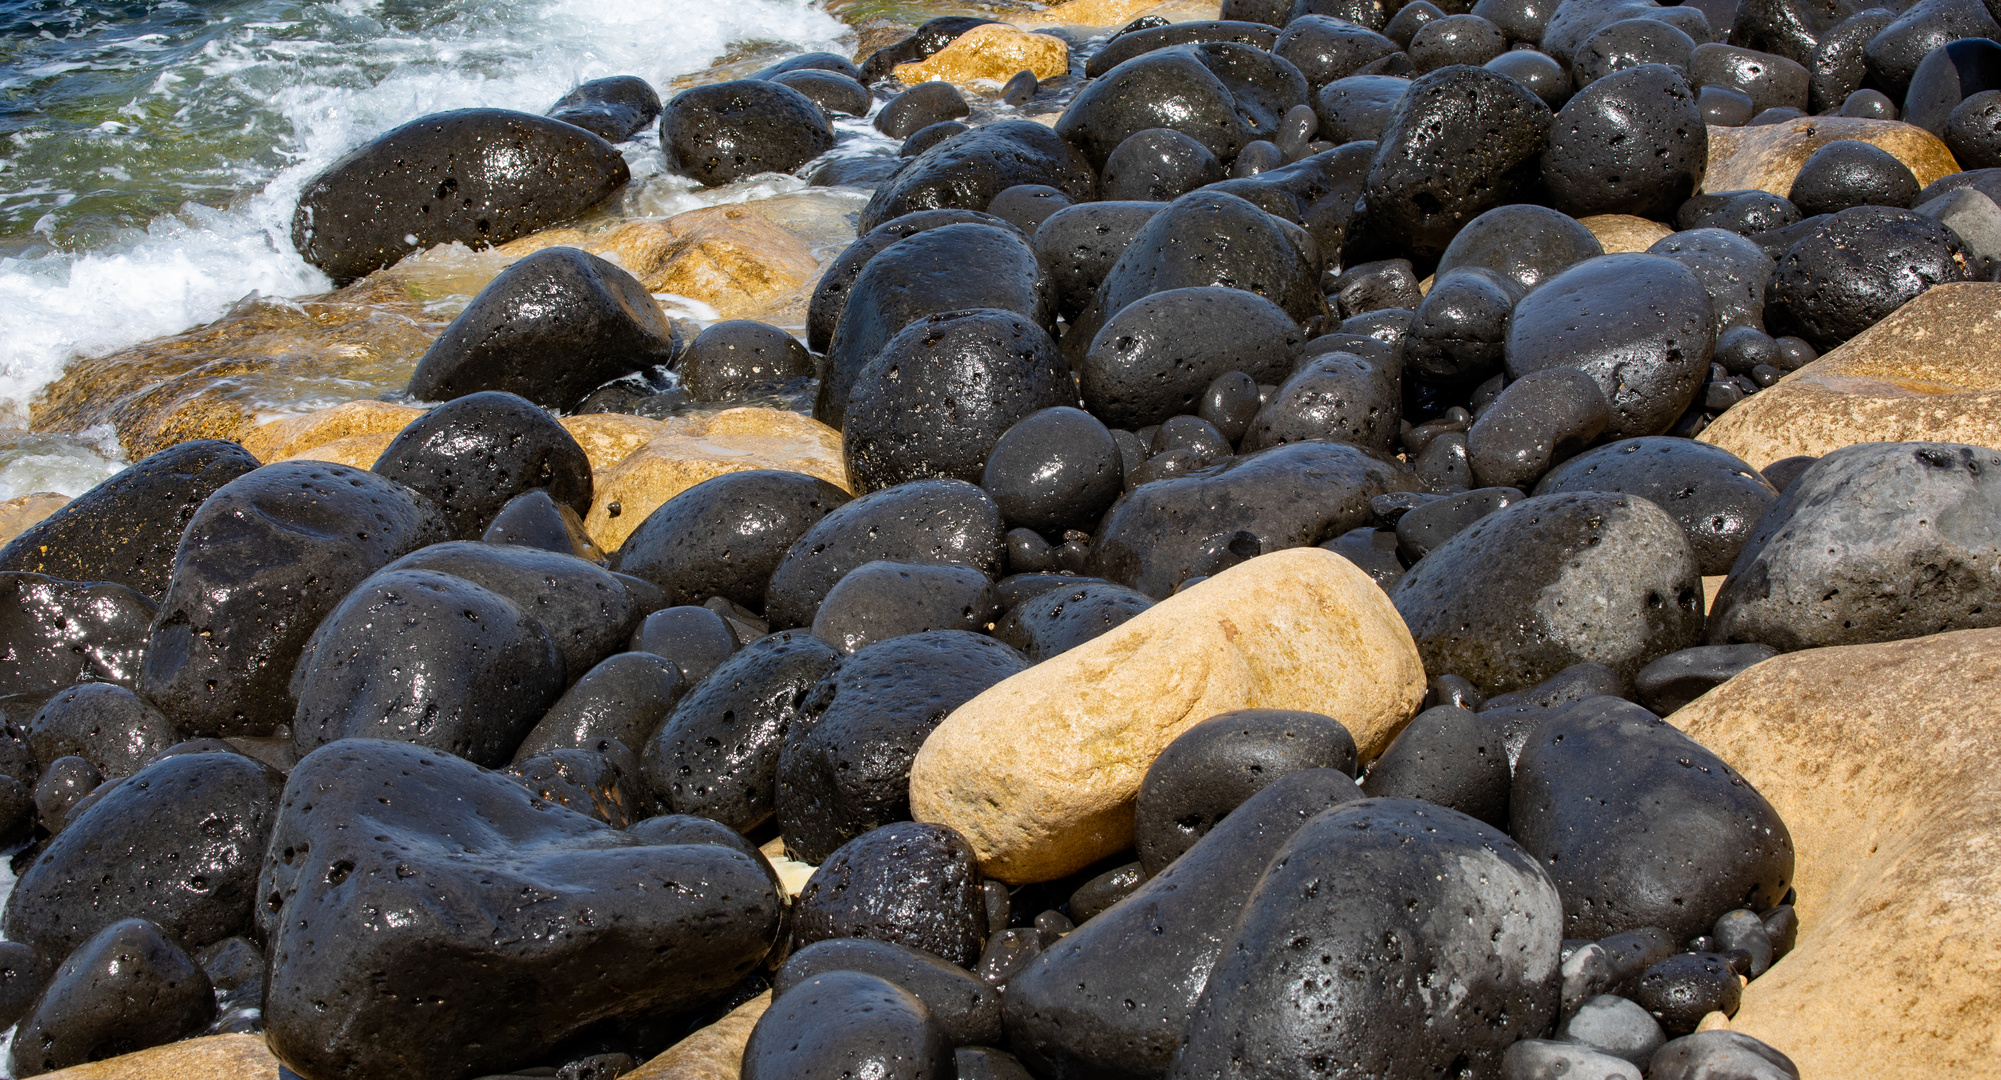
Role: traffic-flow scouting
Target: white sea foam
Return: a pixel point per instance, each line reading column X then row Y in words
column 338, row 73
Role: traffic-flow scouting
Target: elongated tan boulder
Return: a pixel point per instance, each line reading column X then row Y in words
column 294, row 436
column 1885, row 762
column 1767, row 157
column 1040, row 771
column 1931, row 371
column 212, row 1057
column 992, row 53
column 1119, row 12
column 1621, row 234
column 713, row 1053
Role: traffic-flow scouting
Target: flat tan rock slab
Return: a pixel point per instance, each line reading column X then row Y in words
column 1767, row 157
column 23, row 512
column 988, row 55
column 1621, row 234
column 731, row 258
column 691, row 450
column 212, row 1057
column 1885, row 762
column 296, row 436
column 1931, row 371
column 1040, row 771
column 713, row 1053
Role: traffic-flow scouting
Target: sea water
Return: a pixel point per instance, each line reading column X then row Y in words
column 151, row 152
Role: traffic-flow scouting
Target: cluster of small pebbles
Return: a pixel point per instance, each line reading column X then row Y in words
column 398, row 769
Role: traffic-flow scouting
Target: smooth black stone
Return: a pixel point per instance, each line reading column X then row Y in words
column 1767, row 79
column 693, row 638
column 919, row 107
column 1633, row 142
column 1027, row 206
column 1444, row 466
column 1574, row 683
column 626, row 697
column 739, row 359
column 1732, row 269
column 1370, row 13
column 23, row 974
column 1782, row 926
column 460, row 848
column 1745, row 213
column 1642, row 326
column 1460, row 331
column 128, row 988
column 1130, row 43
column 1020, row 89
column 1720, row 1053
column 1838, row 60
column 107, row 725
column 1895, row 53
column 1857, row 267
column 1743, row 351
column 1538, row 421
column 425, row 657
column 603, row 782
column 1215, row 766
column 266, row 558
column 1374, row 550
column 1849, row 172
column 926, row 137
column 1221, row 93
column 1447, row 756
column 941, row 392
column 1523, row 21
column 1007, row 953
column 1066, row 616
column 717, row 753
column 730, row 130
column 933, row 522
column 1159, row 535
column 1028, row 552
column 587, row 611
column 65, row 783
column 1870, row 105
column 1822, row 569
column 1079, row 245
column 1680, row 677
column 830, row 295
column 176, row 843
column 1387, row 285
column 1613, row 1025
column 1591, row 794
column 726, row 535
column 1165, row 466
column 1502, row 622
column 1947, row 77
column 533, row 519
column 811, row 61
column 882, row 600
column 1681, row 990
column 1409, row 19
column 1112, row 997
column 967, row 1009
column 1098, row 893
column 479, row 177
column 1359, row 106
column 1548, row 79
column 1742, row 929
column 909, row 884
column 1628, row 43
column 928, row 38
column 1155, row 357
column 1724, row 107
column 1775, row 116
column 966, row 171
column 1325, row 49
column 1158, row 165
column 613, row 109
column 1781, row 473
column 1455, row 39
column 1426, row 528
column 1191, row 433
column 1361, row 885
column 833, row 92
column 1336, row 396
column 1440, row 161
column 1713, row 495
column 1525, row 243
column 1054, row 469
column 124, row 529
column 952, row 268
column 1229, row 404
column 473, row 454
column 845, row 767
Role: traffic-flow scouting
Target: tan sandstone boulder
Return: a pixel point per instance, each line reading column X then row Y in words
column 22, row 512
column 1120, row 12
column 1885, row 763
column 992, row 53
column 1767, row 157
column 1040, row 771
column 713, row 1053
column 1620, row 234
column 731, row 258
column 211, row 1057
column 298, row 436
column 1931, row 371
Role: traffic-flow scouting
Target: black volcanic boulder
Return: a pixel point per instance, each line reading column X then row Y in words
column 966, row 171
column 1640, row 826
column 844, row 1024
column 910, row 883
column 558, row 302
column 1717, row 498
column 1400, row 939
column 1221, row 94
column 952, row 268
column 729, row 130
column 1633, row 142
column 1155, row 356
column 1553, row 581
column 1129, row 43
column 126, row 989
column 268, row 556
column 830, row 295
column 613, row 109
column 479, row 177
column 1857, row 267
column 724, row 536
column 114, row 729
column 1161, row 534
column 473, row 454
column 124, row 530
column 1461, row 141
column 937, row 522
column 56, row 633
column 176, row 843
column 511, row 909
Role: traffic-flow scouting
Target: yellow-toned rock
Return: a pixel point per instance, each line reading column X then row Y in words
column 1040, row 771
column 1622, row 233
column 359, row 451
column 734, row 441
column 1119, row 12
column 713, row 1053
column 20, row 513
column 293, row 436
column 992, row 53
column 211, row 1057
column 1767, row 157
column 1931, row 371
column 1885, row 763
column 731, row 258
column 609, row 438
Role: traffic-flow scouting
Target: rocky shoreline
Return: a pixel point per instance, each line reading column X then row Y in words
column 1315, row 539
